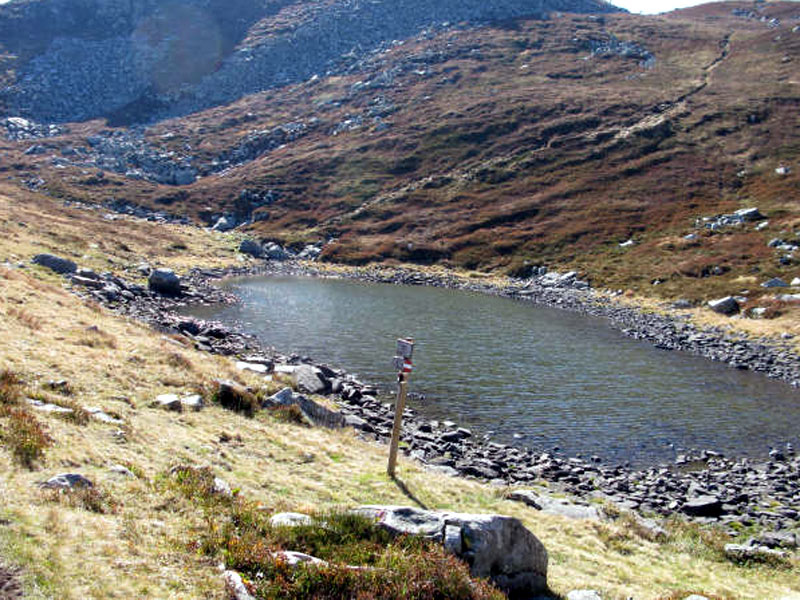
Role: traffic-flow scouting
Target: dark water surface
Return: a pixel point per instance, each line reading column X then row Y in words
column 551, row 377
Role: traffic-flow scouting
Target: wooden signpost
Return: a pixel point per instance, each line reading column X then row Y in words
column 404, row 366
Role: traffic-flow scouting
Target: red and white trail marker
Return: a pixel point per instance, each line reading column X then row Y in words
column 404, row 366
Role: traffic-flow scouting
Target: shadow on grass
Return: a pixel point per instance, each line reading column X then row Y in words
column 407, row 492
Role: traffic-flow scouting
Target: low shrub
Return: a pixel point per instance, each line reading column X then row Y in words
column 235, row 397
column 290, row 413
column 25, row 437
column 361, row 559
column 92, row 499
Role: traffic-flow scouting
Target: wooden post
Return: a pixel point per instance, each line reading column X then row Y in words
column 402, row 391
column 403, row 364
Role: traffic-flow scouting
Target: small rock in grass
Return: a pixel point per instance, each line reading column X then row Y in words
column 290, row 520
column 169, row 402
column 193, row 402
column 584, row 595
column 67, row 481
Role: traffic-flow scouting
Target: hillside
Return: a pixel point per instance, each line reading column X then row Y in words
column 138, row 534
column 546, row 141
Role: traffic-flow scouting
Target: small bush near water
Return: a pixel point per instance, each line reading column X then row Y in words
column 363, row 561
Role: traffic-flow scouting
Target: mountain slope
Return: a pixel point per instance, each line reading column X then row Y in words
column 534, row 141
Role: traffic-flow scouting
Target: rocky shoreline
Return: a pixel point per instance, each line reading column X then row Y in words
column 741, row 495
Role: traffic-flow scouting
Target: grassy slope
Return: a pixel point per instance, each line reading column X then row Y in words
column 141, row 550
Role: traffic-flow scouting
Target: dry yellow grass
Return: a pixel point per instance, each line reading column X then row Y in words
column 140, row 551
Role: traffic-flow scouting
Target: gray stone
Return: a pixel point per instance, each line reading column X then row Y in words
column 100, row 415
column 62, row 266
column 494, row 546
column 254, row 367
column 703, row 506
column 775, row 282
column 584, row 595
column 289, row 519
column 165, row 281
column 749, row 214
column 313, row 411
column 739, row 552
column 252, row 248
column 224, row 224
column 192, row 402
column 67, row 481
column 168, row 402
column 724, row 306
column 121, row 470
column 49, row 408
column 273, row 251
column 554, row 506
column 235, row 586
column 695, row 597
column 309, row 380
column 222, row 487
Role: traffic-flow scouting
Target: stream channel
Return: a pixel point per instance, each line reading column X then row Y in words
column 527, row 375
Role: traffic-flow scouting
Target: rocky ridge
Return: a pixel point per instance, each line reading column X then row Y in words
column 133, row 63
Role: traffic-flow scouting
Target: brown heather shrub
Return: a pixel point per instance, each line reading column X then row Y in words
column 94, row 337
column 30, row 321
column 179, row 361
column 392, row 568
column 87, row 498
column 25, row 437
column 9, row 391
column 288, row 414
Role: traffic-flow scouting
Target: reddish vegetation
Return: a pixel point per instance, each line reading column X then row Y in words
column 510, row 150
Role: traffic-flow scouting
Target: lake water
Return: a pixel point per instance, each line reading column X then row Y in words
column 528, row 375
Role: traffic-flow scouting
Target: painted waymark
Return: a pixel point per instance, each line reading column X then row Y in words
column 403, row 364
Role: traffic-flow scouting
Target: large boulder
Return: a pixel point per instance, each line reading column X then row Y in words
column 62, row 266
column 493, row 546
column 724, row 306
column 309, row 380
column 313, row 411
column 252, row 248
column 165, row 281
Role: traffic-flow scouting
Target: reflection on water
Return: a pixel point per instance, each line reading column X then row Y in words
column 551, row 377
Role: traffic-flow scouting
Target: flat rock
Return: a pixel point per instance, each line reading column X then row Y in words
column 100, row 415
column 254, row 367
column 584, row 595
column 494, row 546
column 775, row 282
column 169, row 402
column 62, row 266
column 192, row 402
column 703, row 506
column 49, row 408
column 554, row 506
column 739, row 552
column 289, row 519
column 67, row 481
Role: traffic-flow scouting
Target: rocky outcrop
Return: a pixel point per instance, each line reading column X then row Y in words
column 135, row 60
column 493, row 546
column 62, row 266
